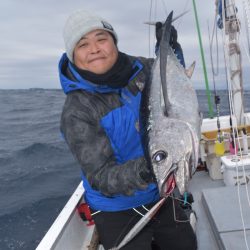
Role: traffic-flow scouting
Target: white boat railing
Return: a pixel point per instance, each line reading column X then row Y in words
column 209, row 124
column 68, row 231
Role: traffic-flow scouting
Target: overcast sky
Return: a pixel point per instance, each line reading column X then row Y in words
column 31, row 35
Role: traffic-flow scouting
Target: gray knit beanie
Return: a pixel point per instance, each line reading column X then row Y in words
column 79, row 24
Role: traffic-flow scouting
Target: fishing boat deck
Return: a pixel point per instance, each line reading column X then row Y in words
column 219, row 224
column 201, row 181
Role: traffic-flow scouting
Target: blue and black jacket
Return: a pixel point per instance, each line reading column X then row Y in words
column 101, row 126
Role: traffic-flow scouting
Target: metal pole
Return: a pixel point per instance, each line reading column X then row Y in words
column 211, row 113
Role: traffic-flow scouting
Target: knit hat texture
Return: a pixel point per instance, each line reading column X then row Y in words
column 79, row 24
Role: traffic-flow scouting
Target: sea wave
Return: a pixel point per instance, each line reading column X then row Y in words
column 37, row 171
column 41, row 149
column 18, row 229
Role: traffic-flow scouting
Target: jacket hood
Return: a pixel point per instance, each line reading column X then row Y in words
column 71, row 80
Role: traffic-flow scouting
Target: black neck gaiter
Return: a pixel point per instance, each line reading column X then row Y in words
column 116, row 77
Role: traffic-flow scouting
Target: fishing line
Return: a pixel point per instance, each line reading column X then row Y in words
column 227, row 82
column 155, row 10
column 120, row 236
column 248, row 56
column 184, row 10
column 174, row 208
column 165, row 7
column 241, row 213
column 211, row 57
column 97, row 212
column 219, row 147
column 181, row 200
column 117, row 244
column 246, row 6
column 152, row 17
column 247, row 22
column 242, row 43
column 145, row 208
column 234, row 129
column 237, row 133
column 149, row 28
column 138, row 212
column 216, row 73
column 155, row 20
column 238, row 38
column 241, row 156
column 232, row 109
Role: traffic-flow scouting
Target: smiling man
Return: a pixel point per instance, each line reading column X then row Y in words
column 96, row 52
column 100, row 124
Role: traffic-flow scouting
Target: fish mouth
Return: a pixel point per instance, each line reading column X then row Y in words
column 177, row 177
column 183, row 174
column 168, row 185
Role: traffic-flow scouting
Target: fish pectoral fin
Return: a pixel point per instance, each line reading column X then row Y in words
column 189, row 72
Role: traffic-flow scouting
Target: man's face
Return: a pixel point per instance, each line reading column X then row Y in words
column 96, row 52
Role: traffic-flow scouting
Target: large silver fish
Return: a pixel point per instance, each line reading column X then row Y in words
column 171, row 119
column 170, row 126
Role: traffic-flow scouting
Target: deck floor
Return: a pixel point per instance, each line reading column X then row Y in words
column 200, row 181
column 219, row 223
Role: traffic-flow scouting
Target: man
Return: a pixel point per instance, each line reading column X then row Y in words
column 99, row 122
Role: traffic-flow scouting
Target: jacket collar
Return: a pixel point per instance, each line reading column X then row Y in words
column 73, row 81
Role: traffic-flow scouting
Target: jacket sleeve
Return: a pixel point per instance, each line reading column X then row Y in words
column 91, row 147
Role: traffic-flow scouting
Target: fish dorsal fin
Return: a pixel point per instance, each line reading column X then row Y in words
column 164, row 50
column 189, row 72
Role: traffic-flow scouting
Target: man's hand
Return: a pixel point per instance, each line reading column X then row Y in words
column 172, row 42
column 173, row 35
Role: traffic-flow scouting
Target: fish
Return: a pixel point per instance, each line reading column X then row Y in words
column 170, row 125
column 170, row 120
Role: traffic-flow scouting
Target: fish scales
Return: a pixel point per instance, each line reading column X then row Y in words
column 170, row 132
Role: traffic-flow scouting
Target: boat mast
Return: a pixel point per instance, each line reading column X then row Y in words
column 232, row 51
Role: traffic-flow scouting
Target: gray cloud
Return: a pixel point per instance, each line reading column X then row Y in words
column 31, row 35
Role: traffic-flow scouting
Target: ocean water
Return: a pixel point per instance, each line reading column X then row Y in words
column 37, row 172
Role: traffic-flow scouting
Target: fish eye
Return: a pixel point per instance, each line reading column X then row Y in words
column 160, row 156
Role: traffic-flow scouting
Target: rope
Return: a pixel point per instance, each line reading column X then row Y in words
column 247, row 23
column 215, row 73
column 247, row 28
column 232, row 110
